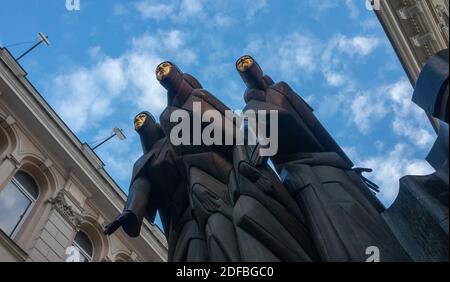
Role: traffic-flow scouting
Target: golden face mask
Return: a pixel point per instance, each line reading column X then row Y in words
column 139, row 121
column 244, row 63
column 162, row 70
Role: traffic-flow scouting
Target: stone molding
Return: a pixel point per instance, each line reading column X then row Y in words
column 60, row 204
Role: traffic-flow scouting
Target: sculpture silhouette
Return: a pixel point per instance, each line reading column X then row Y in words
column 157, row 184
column 342, row 213
column 225, row 203
column 243, row 211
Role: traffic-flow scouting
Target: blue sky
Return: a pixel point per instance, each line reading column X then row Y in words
column 99, row 71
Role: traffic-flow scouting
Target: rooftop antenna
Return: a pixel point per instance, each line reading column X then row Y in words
column 117, row 132
column 42, row 38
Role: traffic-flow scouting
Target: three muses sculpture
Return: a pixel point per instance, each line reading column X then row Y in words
column 226, row 203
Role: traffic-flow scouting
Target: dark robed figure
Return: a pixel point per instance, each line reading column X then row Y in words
column 243, row 211
column 224, row 203
column 156, row 185
column 217, row 203
column 342, row 213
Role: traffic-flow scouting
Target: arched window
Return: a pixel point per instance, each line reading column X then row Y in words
column 121, row 257
column 16, row 201
column 84, row 245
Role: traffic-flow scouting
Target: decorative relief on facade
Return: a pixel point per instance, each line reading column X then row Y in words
column 408, row 12
column 60, row 204
column 418, row 29
column 443, row 17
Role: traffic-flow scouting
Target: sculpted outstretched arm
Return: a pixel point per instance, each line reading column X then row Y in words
column 136, row 208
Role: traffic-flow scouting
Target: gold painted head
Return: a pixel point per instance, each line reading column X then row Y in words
column 163, row 70
column 244, row 63
column 139, row 121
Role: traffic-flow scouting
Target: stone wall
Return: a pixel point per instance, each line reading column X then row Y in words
column 75, row 192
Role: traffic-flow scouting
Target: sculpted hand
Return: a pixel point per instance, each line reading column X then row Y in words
column 118, row 222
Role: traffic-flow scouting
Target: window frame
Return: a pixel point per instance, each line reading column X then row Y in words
column 81, row 250
column 28, row 209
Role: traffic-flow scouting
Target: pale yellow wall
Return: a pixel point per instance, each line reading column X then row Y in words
column 46, row 233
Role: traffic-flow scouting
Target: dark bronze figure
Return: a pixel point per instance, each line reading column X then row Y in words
column 341, row 211
column 243, row 211
column 225, row 203
column 151, row 190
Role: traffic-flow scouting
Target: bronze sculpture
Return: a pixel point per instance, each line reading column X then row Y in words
column 224, row 199
column 152, row 190
column 341, row 212
column 238, row 210
column 225, row 203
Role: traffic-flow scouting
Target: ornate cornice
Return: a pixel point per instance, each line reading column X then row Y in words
column 416, row 29
column 60, row 204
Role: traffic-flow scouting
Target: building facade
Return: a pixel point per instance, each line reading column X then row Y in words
column 419, row 33
column 417, row 29
column 55, row 195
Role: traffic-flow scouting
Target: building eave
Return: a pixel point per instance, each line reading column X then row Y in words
column 87, row 166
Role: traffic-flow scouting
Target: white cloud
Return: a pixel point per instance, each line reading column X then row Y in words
column 365, row 111
column 370, row 24
column 119, row 155
column 330, row 105
column 111, row 71
column 309, row 98
column 323, row 5
column 165, row 40
column 299, row 55
column 177, row 11
column 339, row 51
column 291, row 55
column 111, row 91
column 358, row 45
column 353, row 9
column 84, row 96
column 174, row 39
column 191, row 7
column 421, row 137
column 317, row 8
column 170, row 43
column 222, row 20
column 351, row 152
column 334, row 78
column 148, row 94
column 255, row 7
column 120, row 165
column 409, row 120
column 379, row 145
column 390, row 167
column 222, row 13
column 150, row 10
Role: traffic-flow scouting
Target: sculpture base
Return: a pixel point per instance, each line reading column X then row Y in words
column 419, row 218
